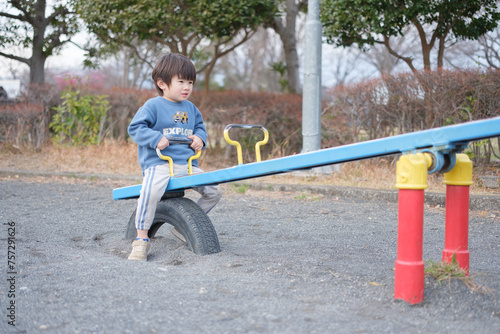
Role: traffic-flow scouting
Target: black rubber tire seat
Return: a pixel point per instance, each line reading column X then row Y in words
column 185, row 215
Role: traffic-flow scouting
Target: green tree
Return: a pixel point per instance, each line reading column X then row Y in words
column 26, row 24
column 367, row 22
column 181, row 26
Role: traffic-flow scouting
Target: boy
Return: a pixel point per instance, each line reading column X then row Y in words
column 167, row 116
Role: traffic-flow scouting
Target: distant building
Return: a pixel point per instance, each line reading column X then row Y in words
column 3, row 94
column 11, row 87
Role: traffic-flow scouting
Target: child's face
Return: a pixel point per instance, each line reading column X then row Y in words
column 179, row 90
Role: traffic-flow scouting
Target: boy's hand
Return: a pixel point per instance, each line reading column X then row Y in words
column 197, row 143
column 162, row 143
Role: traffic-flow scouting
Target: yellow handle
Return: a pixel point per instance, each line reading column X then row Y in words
column 262, row 142
column 190, row 162
column 171, row 163
column 238, row 145
column 235, row 143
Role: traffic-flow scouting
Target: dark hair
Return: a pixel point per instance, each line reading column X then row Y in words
column 170, row 65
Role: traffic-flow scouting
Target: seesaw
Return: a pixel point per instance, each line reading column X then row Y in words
column 427, row 151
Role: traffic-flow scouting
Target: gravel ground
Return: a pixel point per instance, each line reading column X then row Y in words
column 290, row 263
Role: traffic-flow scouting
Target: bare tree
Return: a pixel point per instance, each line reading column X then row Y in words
column 340, row 65
column 484, row 52
column 12, row 67
column 135, row 64
column 490, row 47
column 249, row 66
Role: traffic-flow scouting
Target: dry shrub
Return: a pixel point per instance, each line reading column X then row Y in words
column 350, row 109
column 25, row 121
column 351, row 113
column 405, row 103
column 20, row 124
column 401, row 103
column 124, row 104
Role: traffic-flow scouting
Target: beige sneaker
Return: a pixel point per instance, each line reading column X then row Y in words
column 178, row 234
column 140, row 250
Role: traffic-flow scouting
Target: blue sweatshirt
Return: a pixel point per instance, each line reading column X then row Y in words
column 174, row 120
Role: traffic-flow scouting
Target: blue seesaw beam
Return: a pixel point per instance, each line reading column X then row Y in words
column 448, row 139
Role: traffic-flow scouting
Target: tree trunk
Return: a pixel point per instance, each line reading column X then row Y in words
column 37, row 68
column 290, row 45
column 37, row 61
column 426, row 55
column 208, row 73
column 289, row 40
column 441, row 52
column 292, row 62
column 37, row 64
column 126, row 68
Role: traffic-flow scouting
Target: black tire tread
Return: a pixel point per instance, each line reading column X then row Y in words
column 189, row 219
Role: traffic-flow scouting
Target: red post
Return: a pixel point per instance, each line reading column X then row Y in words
column 456, row 241
column 411, row 179
column 409, row 276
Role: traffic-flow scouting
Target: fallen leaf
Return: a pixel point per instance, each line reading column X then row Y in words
column 374, row 283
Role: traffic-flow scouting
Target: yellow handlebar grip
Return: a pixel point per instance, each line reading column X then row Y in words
column 235, row 143
column 169, row 159
column 171, row 163
column 262, row 142
column 190, row 162
column 238, row 145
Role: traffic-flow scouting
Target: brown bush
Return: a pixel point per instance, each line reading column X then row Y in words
column 25, row 121
column 410, row 102
column 21, row 124
column 372, row 109
column 124, row 104
column 280, row 114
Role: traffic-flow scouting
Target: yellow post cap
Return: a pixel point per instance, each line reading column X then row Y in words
column 461, row 174
column 411, row 171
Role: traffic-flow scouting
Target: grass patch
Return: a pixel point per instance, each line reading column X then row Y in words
column 308, row 197
column 445, row 272
column 240, row 188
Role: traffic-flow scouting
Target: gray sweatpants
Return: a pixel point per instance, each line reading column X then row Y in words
column 155, row 182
